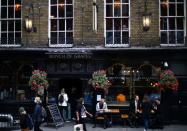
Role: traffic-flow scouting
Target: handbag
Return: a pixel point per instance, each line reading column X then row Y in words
column 78, row 127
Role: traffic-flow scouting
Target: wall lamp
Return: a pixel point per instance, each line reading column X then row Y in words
column 29, row 22
column 146, row 18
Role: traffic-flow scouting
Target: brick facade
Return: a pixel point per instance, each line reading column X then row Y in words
column 83, row 32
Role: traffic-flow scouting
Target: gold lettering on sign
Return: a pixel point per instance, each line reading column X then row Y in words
column 70, row 56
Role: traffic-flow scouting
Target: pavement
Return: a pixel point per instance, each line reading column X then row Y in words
column 68, row 126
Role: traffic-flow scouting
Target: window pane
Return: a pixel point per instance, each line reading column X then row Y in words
column 125, row 1
column 17, row 38
column 180, row 0
column 10, row 12
column 4, row 38
column 172, row 0
column 164, row 10
column 109, row 37
column 164, row 37
column 125, row 24
column 117, row 24
column 53, row 1
column 10, row 2
column 53, row 38
column 171, row 23
column 180, row 23
column 69, row 1
column 125, row 38
column 18, row 2
column 172, row 37
column 4, row 25
column 53, row 25
column 180, row 10
column 61, row 11
column 109, row 24
column 18, row 25
column 125, row 10
column 11, row 25
column 109, row 1
column 172, row 10
column 117, row 37
column 4, row 2
column 69, row 38
column 163, row 24
column 18, row 14
column 61, row 1
column 69, row 23
column 109, row 11
column 69, row 11
column 10, row 38
column 61, row 38
column 4, row 14
column 180, row 37
column 62, row 25
column 54, row 11
column 117, row 10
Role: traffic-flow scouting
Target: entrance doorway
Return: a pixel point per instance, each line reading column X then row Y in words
column 74, row 89
column 72, row 86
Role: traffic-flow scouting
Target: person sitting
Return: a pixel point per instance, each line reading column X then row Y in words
column 101, row 107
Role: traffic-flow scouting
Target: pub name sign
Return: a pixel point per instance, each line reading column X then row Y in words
column 71, row 56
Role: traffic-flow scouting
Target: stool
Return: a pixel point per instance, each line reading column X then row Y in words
column 100, row 118
column 124, row 117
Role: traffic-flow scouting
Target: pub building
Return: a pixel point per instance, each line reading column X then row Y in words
column 70, row 39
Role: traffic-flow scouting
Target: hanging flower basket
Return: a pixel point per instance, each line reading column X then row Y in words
column 38, row 81
column 168, row 81
column 99, row 80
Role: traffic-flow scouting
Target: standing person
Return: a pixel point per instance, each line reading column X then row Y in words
column 23, row 119
column 38, row 114
column 135, row 111
column 63, row 104
column 81, row 113
column 146, row 110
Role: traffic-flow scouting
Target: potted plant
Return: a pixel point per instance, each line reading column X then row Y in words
column 38, row 82
column 99, row 80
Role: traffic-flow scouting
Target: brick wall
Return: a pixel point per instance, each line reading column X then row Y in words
column 83, row 32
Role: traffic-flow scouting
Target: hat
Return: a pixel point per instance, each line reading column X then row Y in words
column 21, row 109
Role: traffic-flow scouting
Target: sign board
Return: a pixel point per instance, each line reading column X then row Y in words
column 55, row 113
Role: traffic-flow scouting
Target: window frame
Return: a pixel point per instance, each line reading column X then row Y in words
column 113, row 30
column 57, row 44
column 175, row 30
column 7, row 19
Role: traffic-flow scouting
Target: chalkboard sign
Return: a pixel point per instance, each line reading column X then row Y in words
column 55, row 113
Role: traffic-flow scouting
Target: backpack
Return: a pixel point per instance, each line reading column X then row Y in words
column 30, row 122
column 61, row 98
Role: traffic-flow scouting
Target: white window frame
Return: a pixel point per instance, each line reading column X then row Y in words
column 11, row 44
column 120, row 44
column 49, row 26
column 172, row 44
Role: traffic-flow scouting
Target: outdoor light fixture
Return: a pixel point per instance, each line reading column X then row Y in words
column 146, row 18
column 28, row 24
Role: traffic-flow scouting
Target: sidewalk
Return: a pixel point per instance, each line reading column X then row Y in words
column 69, row 127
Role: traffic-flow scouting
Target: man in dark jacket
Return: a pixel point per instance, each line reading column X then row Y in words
column 38, row 114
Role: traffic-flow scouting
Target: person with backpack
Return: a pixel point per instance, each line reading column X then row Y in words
column 26, row 123
column 63, row 104
column 38, row 114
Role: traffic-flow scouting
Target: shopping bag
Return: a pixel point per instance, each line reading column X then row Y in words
column 78, row 127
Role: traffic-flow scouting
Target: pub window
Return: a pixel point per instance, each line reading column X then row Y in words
column 61, row 23
column 10, row 22
column 117, row 23
column 172, row 22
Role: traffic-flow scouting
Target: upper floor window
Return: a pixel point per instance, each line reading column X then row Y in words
column 172, row 22
column 117, row 23
column 10, row 22
column 61, row 23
